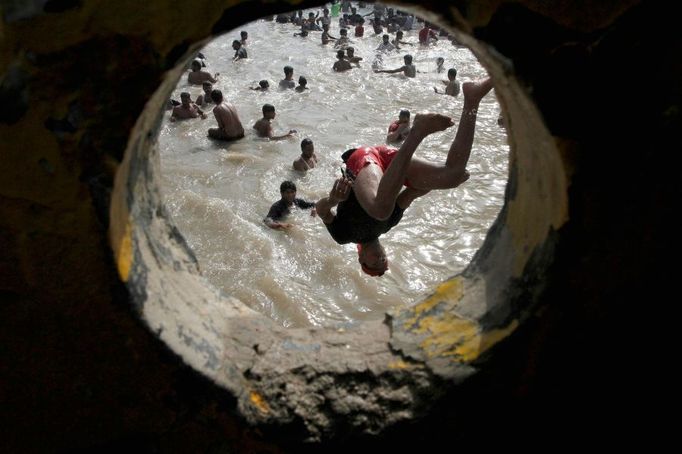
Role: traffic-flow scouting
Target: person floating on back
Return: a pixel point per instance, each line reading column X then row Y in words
column 263, row 126
column 280, row 209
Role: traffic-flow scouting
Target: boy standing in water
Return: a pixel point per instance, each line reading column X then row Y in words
column 426, row 35
column 205, row 97
column 399, row 40
column 360, row 29
column 282, row 207
column 264, row 126
column 408, row 69
column 229, row 126
column 341, row 64
column 186, row 109
column 326, row 37
column 302, row 82
column 350, row 56
column 440, row 61
column 308, row 158
column 288, row 81
column 385, row 45
column 400, row 128
column 263, row 85
column 452, row 83
column 198, row 77
column 244, row 35
column 240, row 52
column 343, row 41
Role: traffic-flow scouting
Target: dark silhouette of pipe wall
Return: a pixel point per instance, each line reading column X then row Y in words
column 81, row 372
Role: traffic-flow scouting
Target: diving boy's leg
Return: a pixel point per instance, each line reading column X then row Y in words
column 376, row 191
column 425, row 175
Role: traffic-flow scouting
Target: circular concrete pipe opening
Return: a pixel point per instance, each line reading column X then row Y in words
column 372, row 375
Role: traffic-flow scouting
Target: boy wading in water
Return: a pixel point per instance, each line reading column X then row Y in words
column 370, row 197
column 308, row 158
column 229, row 126
column 264, row 127
column 280, row 209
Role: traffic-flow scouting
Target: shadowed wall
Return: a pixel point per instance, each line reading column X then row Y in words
column 79, row 371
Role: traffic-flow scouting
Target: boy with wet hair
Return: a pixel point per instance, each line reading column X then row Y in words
column 244, row 35
column 400, row 128
column 198, row 77
column 343, row 40
column 280, row 209
column 408, row 69
column 263, row 85
column 398, row 40
column 205, row 97
column 385, row 45
column 452, row 83
column 326, row 37
column 288, row 81
column 302, row 82
column 350, row 56
column 187, row 109
column 229, row 125
column 263, row 126
column 308, row 158
column 341, row 64
column 240, row 52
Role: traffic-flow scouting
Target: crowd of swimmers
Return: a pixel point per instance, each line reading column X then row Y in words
column 230, row 128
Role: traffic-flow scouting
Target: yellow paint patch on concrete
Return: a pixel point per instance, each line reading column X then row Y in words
column 400, row 365
column 123, row 252
column 449, row 335
column 258, row 401
column 473, row 347
column 450, row 290
column 444, row 333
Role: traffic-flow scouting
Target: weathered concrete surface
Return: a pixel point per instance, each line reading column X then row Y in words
column 79, row 371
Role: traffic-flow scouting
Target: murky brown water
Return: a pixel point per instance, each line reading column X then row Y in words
column 218, row 195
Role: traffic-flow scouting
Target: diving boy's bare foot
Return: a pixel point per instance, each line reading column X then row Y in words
column 428, row 123
column 475, row 91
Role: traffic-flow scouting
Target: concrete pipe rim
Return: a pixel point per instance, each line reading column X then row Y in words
column 374, row 374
